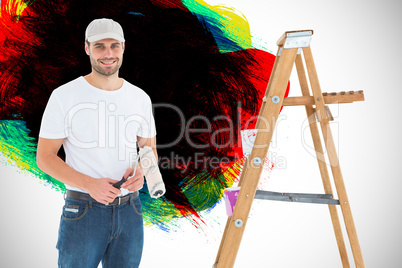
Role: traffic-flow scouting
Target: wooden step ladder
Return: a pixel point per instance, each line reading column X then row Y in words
column 291, row 46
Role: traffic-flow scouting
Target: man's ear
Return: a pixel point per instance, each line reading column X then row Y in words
column 123, row 46
column 87, row 48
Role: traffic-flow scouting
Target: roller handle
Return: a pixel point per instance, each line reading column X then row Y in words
column 119, row 183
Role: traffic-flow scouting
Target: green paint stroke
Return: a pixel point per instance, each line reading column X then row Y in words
column 229, row 27
column 19, row 150
column 203, row 190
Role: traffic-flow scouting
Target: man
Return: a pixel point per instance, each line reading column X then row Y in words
column 98, row 119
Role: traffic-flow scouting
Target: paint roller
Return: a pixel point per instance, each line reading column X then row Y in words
column 152, row 174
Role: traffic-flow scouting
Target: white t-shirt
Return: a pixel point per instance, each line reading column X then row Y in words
column 99, row 127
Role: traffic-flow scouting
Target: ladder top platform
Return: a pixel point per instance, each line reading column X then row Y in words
column 287, row 36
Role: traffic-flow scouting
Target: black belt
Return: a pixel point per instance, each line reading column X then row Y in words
column 86, row 197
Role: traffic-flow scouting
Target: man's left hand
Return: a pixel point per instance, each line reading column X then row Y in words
column 136, row 182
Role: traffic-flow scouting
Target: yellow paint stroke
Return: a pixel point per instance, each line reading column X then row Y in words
column 13, row 8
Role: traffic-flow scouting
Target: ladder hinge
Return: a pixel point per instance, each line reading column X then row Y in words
column 298, row 39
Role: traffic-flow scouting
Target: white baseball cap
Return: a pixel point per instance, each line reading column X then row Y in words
column 104, row 28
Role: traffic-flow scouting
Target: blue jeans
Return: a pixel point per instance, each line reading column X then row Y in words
column 91, row 232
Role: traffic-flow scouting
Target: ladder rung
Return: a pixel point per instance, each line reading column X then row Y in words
column 297, row 197
column 342, row 97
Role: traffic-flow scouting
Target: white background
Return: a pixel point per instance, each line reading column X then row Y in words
column 355, row 46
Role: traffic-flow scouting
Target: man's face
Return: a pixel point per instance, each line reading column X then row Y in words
column 106, row 55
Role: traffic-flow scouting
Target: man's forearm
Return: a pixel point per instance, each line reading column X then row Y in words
column 55, row 167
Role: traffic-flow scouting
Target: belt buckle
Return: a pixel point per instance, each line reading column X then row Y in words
column 118, row 198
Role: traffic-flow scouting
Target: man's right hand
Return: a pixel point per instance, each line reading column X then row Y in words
column 102, row 190
column 50, row 163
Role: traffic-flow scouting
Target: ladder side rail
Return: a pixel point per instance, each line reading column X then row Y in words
column 322, row 162
column 251, row 174
column 227, row 227
column 333, row 158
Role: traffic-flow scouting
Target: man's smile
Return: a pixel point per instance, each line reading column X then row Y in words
column 107, row 62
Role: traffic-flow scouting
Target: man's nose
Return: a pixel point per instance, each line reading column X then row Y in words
column 108, row 53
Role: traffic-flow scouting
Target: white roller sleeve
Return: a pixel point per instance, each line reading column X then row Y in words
column 152, row 174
